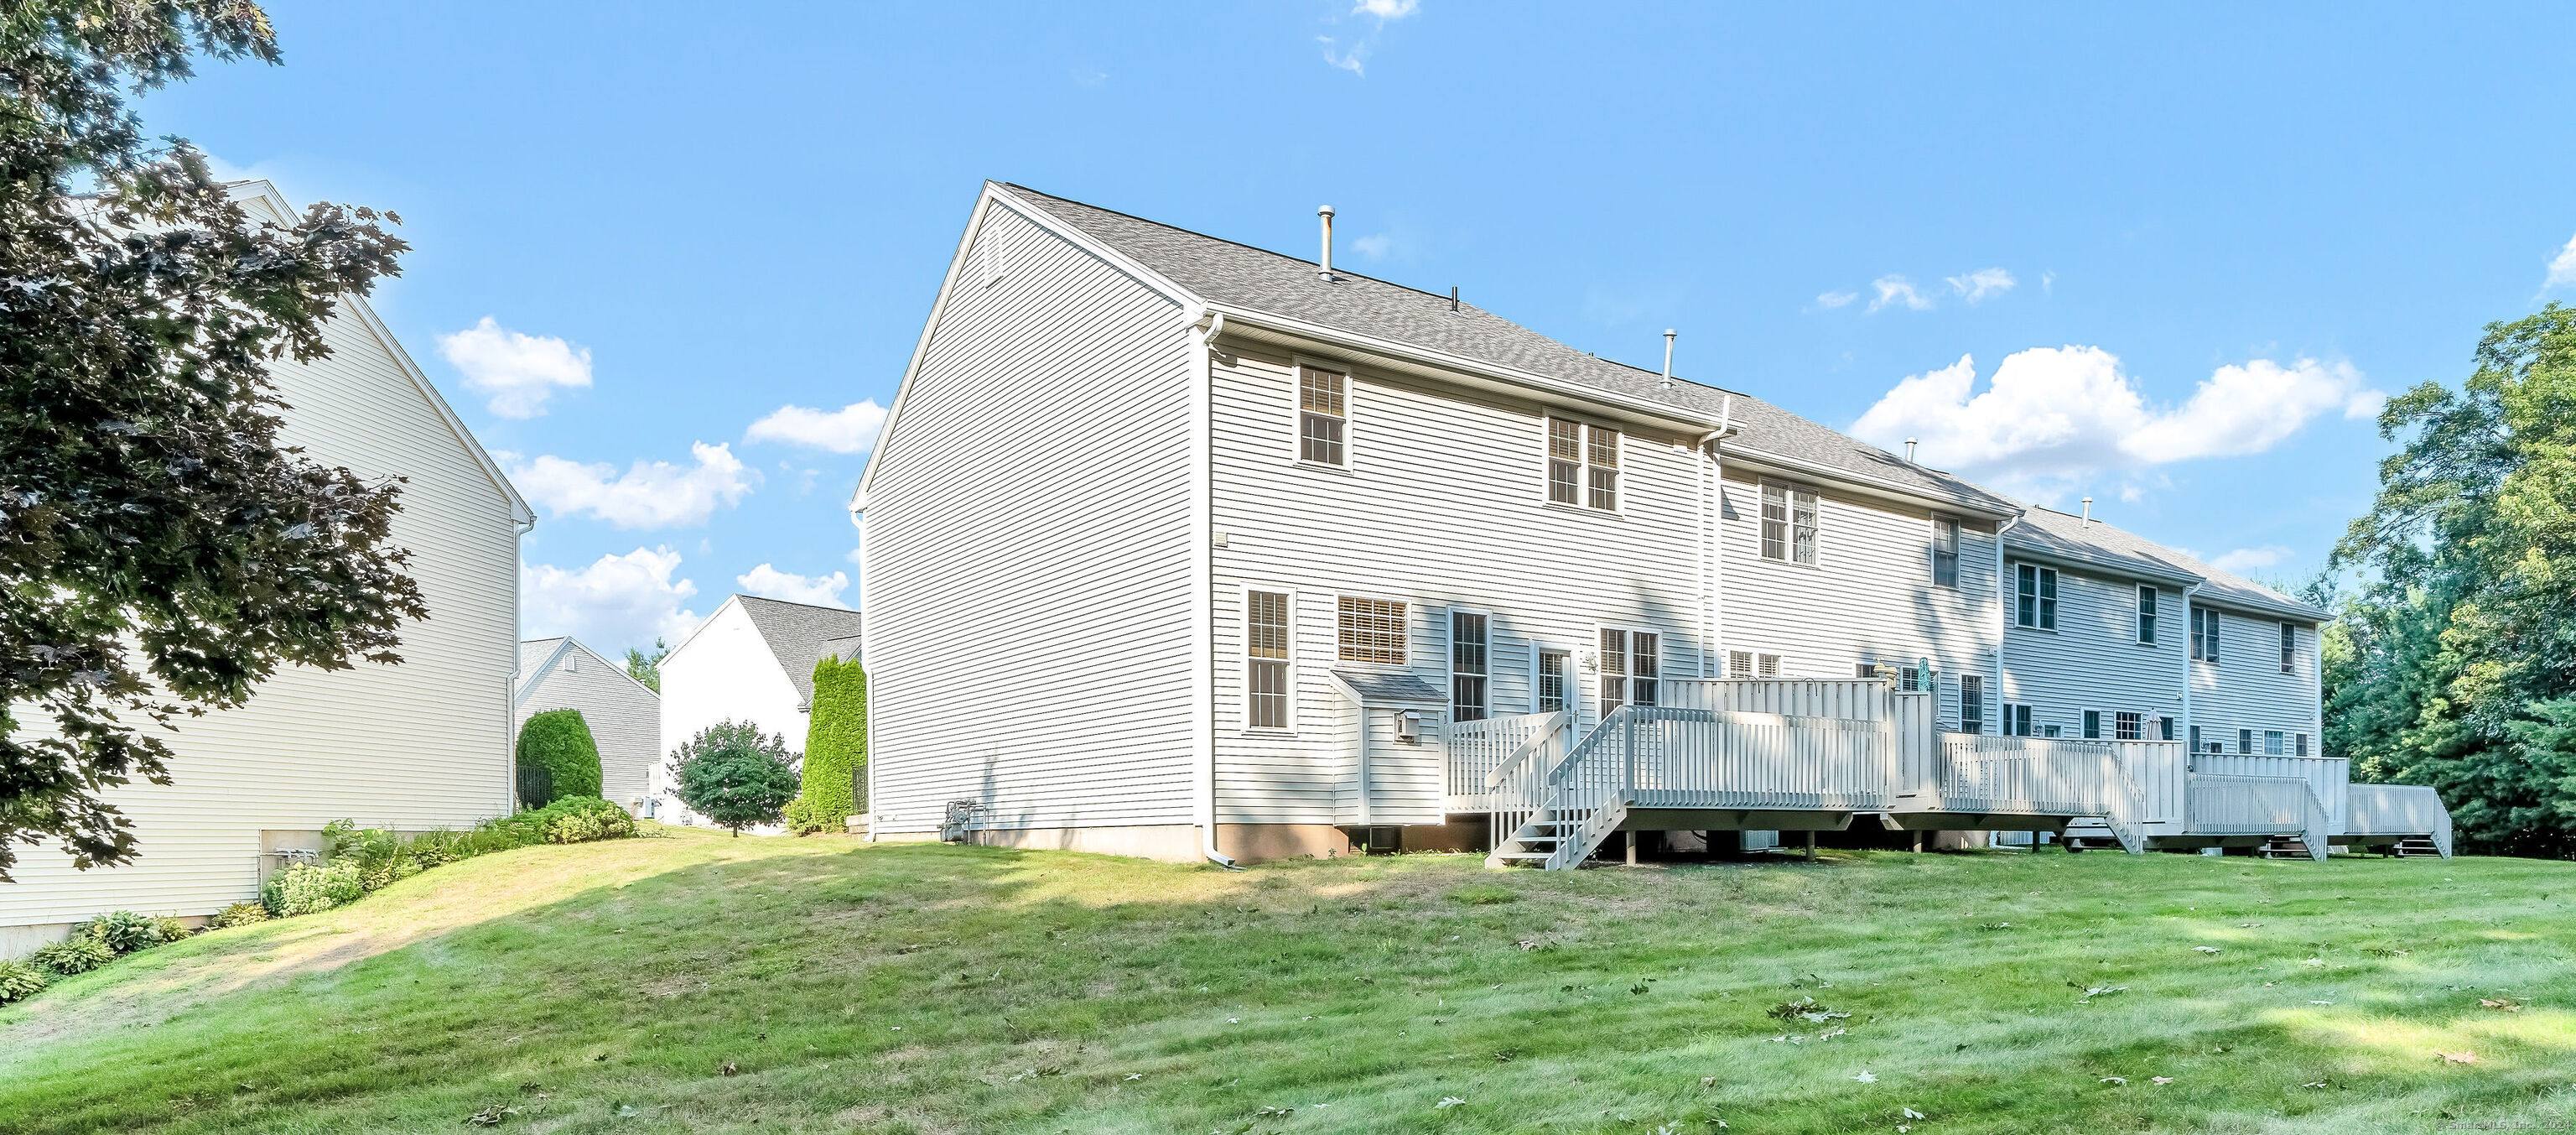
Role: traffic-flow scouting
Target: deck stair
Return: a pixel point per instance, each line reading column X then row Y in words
column 2285, row 847
column 2418, row 846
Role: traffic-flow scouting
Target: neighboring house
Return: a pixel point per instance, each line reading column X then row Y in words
column 752, row 660
column 624, row 715
column 426, row 744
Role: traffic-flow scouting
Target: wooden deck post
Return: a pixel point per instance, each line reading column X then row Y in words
column 1632, row 849
column 1811, row 847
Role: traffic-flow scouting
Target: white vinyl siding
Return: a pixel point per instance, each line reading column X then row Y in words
column 2257, row 694
column 962, row 544
column 2093, row 660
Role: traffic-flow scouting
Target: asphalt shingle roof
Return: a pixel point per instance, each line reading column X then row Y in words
column 2048, row 531
column 796, row 633
column 1221, row 271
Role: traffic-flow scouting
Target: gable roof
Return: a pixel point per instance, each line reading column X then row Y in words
column 796, row 634
column 1234, row 275
column 540, row 657
column 2058, row 535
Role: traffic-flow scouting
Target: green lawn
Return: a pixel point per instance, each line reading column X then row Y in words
column 697, row 983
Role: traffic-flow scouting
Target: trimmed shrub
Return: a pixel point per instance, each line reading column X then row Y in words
column 19, row 981
column 170, row 929
column 238, row 914
column 732, row 775
column 78, row 954
column 304, row 888
column 559, row 741
column 581, row 819
column 836, row 750
column 123, row 931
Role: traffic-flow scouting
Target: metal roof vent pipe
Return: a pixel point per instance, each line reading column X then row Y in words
column 1668, row 356
column 2087, row 522
column 1909, row 451
column 1324, row 267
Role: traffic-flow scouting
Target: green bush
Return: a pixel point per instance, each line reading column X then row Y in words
column 559, row 741
column 733, row 775
column 836, row 750
column 19, row 981
column 170, row 929
column 238, row 914
column 79, row 954
column 123, row 931
column 304, row 888
column 580, row 820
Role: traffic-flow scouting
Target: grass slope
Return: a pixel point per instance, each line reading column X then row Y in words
column 697, row 983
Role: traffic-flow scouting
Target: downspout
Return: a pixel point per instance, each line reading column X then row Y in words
column 1203, row 328
column 2186, row 667
column 1710, row 457
column 867, row 679
column 2003, row 616
column 519, row 530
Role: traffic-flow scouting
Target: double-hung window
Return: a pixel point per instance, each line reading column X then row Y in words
column 2303, row 745
column 1265, row 656
column 2195, row 738
column 1945, row 552
column 1788, row 524
column 1323, row 416
column 2147, row 614
column 2126, row 726
column 1369, row 630
column 2289, row 649
column 1466, row 666
column 2204, row 634
column 2275, row 744
column 1972, row 703
column 1582, row 465
column 2245, row 742
column 2016, row 719
column 1631, row 668
column 1555, row 670
column 2092, row 725
column 1749, row 664
column 2035, row 596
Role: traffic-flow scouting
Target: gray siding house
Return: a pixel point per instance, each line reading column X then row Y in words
column 1181, row 548
column 624, row 715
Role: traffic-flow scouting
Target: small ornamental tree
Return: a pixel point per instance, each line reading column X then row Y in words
column 559, row 742
column 836, row 749
column 732, row 775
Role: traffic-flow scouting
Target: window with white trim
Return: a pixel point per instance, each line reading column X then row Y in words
column 2126, row 726
column 1739, row 664
column 1631, row 668
column 2092, row 725
column 1265, row 653
column 2204, row 634
column 2164, row 729
column 2303, row 745
column 2035, row 597
column 1788, row 524
column 2275, row 744
column 1564, row 461
column 2147, row 598
column 2289, row 648
column 1555, row 670
column 1945, row 551
column 1370, row 630
column 1466, row 666
column 1323, row 416
column 1766, row 665
column 2245, row 742
column 2195, row 738
column 2016, row 719
column 1972, row 703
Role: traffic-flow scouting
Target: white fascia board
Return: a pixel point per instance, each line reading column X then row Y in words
column 1816, row 471
column 703, row 624
column 2098, row 564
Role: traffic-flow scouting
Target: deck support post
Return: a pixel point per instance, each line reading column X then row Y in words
column 1811, row 847
column 1918, row 843
column 1632, row 849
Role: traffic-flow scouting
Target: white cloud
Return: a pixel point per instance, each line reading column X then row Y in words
column 2563, row 269
column 2243, row 560
column 1831, row 300
column 771, row 583
column 1374, row 247
column 1898, row 290
column 618, row 602
column 1387, row 9
column 1981, row 283
column 2055, row 416
column 1353, row 60
column 850, row 429
column 651, row 494
column 518, row 371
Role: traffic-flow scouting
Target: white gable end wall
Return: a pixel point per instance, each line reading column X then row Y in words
column 1028, row 559
column 723, row 671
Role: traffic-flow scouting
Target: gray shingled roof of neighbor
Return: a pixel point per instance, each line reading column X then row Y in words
column 2053, row 533
column 1376, row 688
column 796, row 633
column 1221, row 271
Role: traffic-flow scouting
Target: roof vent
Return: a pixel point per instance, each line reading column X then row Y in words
column 1324, row 268
column 1453, row 297
column 1668, row 356
column 2087, row 522
column 1909, row 451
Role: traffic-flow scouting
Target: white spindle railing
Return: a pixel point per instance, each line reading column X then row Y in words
column 2224, row 805
column 2399, row 810
column 1663, row 757
column 1858, row 699
column 2328, row 777
column 2043, row 777
column 1476, row 750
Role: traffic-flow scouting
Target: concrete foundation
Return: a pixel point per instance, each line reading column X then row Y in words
column 1168, row 843
column 1260, row 843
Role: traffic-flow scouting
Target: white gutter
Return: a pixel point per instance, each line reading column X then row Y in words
column 1710, row 463
column 2186, row 668
column 1203, row 327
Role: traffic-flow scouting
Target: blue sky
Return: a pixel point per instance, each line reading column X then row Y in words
column 2179, row 249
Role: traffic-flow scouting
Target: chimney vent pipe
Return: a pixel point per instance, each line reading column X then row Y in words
column 1668, row 356
column 1324, row 268
column 1453, row 297
column 1909, row 451
column 2088, row 514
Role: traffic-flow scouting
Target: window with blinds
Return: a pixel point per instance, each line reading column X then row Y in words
column 1265, row 649
column 1323, row 416
column 1466, row 666
column 1788, row 524
column 1370, row 630
column 1582, row 465
column 1555, row 667
column 1631, row 668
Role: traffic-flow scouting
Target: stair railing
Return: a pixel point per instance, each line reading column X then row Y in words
column 1516, row 788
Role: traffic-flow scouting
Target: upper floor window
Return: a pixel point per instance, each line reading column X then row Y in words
column 2147, row 614
column 1945, row 552
column 1582, row 465
column 1466, row 666
column 2289, row 649
column 1555, row 669
column 2126, row 726
column 2204, row 634
column 1323, row 416
column 1788, row 524
column 1972, row 703
column 1370, row 630
column 1265, row 649
column 1631, row 667
column 2035, row 591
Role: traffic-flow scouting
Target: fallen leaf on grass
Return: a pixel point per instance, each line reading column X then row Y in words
column 2161, row 1081
column 2115, row 1079
column 726, row 1069
column 1910, row 1113
column 2500, row 1004
column 491, row 1116
column 2470, row 1057
column 1447, row 1101
column 1865, row 1077
column 2206, row 949
column 1278, row 1111
column 2314, row 962
column 2314, row 1084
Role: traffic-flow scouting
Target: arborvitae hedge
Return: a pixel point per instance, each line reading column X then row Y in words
column 836, row 748
column 559, row 740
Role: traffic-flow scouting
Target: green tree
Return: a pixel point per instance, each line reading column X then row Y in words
column 647, row 668
column 161, row 550
column 2462, row 643
column 732, row 775
column 836, row 749
column 559, row 742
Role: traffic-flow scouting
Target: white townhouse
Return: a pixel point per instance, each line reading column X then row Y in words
column 1179, row 548
column 752, row 660
column 624, row 715
column 426, row 744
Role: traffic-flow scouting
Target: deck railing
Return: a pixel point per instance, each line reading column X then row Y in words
column 2228, row 805
column 2328, row 777
column 1476, row 750
column 1856, row 699
column 2036, row 776
column 2399, row 810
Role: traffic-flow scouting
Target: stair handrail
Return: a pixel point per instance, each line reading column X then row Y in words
column 2315, row 823
column 1538, row 741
